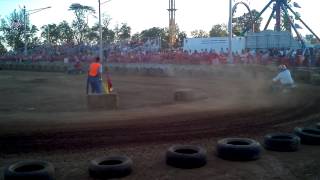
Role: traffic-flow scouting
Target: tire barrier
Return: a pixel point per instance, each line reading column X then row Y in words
column 283, row 142
column 310, row 136
column 11, row 67
column 65, row 68
column 238, row 149
column 179, row 156
column 15, row 67
column 34, row 67
column 186, row 156
column 315, row 79
column 162, row 70
column 38, row 68
column 44, row 68
column 110, row 167
column 28, row 67
column 6, row 67
column 31, row 169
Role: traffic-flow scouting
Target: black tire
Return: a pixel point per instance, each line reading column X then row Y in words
column 238, row 149
column 186, row 156
column 284, row 142
column 309, row 136
column 31, row 170
column 318, row 125
column 110, row 167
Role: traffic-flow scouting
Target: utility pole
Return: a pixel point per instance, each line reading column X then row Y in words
column 100, row 34
column 100, row 31
column 25, row 14
column 25, row 30
column 230, row 59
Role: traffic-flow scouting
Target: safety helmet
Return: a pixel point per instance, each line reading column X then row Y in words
column 282, row 67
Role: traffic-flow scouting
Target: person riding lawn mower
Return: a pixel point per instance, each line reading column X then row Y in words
column 283, row 81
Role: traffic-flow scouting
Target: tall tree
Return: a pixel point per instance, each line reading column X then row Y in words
column 123, row 32
column 154, row 32
column 199, row 34
column 12, row 28
column 3, row 50
column 244, row 22
column 218, row 30
column 181, row 36
column 15, row 27
column 51, row 34
column 33, row 39
column 66, row 34
column 136, row 37
column 108, row 35
column 80, row 25
column 92, row 37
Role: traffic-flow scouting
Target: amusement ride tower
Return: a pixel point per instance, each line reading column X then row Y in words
column 283, row 8
column 172, row 23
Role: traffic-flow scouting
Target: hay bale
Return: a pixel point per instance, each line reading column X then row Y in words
column 102, row 101
column 184, row 95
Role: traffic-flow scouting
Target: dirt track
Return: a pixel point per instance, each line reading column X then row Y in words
column 148, row 117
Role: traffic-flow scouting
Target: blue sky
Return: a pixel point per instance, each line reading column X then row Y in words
column 144, row 14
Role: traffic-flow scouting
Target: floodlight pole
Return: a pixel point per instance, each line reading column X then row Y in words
column 100, row 34
column 25, row 30
column 230, row 32
column 25, row 25
column 100, row 31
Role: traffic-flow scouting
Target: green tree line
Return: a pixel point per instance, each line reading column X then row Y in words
column 14, row 26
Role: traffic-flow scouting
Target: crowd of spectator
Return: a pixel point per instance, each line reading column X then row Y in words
column 132, row 53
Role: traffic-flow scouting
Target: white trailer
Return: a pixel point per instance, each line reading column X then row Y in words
column 217, row 44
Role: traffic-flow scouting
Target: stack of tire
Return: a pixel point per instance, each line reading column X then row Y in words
column 315, row 79
column 102, row 168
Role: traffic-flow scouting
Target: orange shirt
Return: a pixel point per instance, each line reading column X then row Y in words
column 94, row 69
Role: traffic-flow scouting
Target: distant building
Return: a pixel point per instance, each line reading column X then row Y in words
column 216, row 44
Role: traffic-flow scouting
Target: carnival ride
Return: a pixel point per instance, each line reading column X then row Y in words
column 282, row 10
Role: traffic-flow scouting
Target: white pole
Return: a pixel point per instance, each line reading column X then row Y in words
column 25, row 30
column 100, row 32
column 48, row 35
column 230, row 32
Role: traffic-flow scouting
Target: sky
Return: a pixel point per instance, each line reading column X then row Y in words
column 145, row 14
